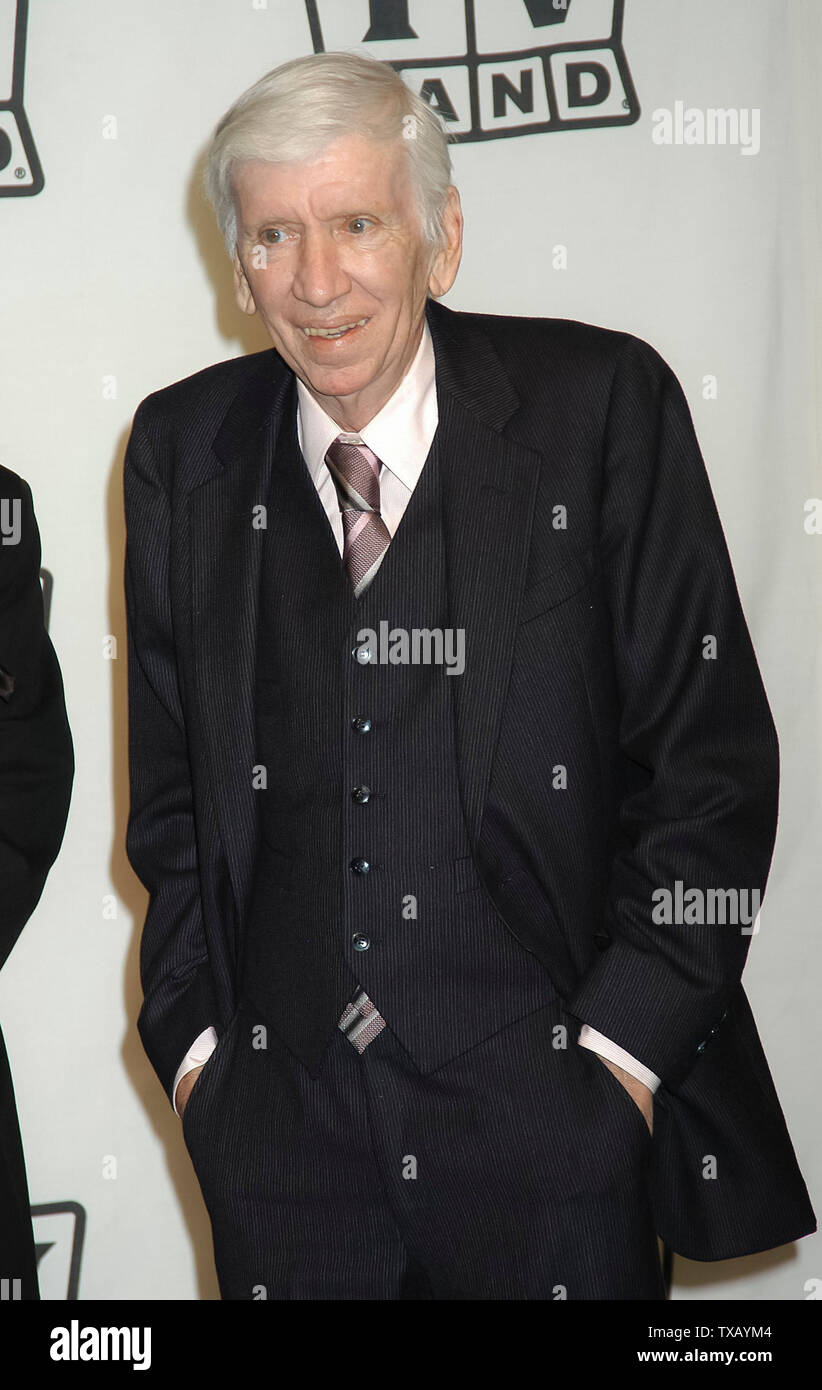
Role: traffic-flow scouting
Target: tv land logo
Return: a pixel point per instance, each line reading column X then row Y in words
column 20, row 172
column 59, row 1232
column 494, row 68
column 490, row 68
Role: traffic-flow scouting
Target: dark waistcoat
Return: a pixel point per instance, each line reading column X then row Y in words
column 364, row 876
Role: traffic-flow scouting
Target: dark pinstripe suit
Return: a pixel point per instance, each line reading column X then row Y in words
column 586, row 652
column 36, row 774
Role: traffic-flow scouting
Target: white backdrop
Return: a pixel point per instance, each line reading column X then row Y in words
column 116, row 283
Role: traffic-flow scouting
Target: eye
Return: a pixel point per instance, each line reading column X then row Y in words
column 269, row 235
column 359, row 225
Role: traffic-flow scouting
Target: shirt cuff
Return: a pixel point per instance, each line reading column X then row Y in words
column 597, row 1042
column 199, row 1052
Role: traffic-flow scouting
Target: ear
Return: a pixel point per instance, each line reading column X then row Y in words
column 242, row 289
column 447, row 259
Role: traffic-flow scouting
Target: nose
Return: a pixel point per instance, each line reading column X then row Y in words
column 319, row 277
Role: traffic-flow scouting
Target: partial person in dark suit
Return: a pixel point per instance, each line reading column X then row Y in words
column 454, row 782
column 36, row 773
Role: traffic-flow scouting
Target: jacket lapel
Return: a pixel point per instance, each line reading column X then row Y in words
column 226, row 557
column 489, row 485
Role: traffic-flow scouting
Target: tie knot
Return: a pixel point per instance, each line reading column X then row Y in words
column 356, row 472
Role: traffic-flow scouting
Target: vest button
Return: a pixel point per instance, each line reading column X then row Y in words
column 360, row 942
column 361, row 795
column 361, row 725
column 360, row 866
column 362, row 654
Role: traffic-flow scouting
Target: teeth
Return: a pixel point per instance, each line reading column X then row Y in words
column 332, row 332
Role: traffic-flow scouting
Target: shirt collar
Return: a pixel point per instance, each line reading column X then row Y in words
column 400, row 433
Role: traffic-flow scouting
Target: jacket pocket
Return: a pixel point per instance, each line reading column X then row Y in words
column 203, row 1084
column 617, row 1096
column 563, row 583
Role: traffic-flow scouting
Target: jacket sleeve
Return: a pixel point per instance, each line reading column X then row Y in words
column 699, row 761
column 161, row 840
column 36, row 754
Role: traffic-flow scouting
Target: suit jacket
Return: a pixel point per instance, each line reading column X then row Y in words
column 613, row 733
column 36, row 773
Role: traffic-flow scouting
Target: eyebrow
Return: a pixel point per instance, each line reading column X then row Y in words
column 276, row 221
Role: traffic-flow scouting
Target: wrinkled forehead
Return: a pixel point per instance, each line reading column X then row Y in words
column 350, row 175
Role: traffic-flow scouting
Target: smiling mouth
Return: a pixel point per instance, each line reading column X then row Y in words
column 338, row 332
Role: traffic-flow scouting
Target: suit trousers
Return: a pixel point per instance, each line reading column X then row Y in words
column 518, row 1170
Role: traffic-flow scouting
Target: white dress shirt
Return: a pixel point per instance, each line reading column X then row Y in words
column 400, row 434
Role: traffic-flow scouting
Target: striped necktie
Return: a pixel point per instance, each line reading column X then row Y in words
column 356, row 472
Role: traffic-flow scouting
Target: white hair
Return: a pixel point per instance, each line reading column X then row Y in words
column 295, row 111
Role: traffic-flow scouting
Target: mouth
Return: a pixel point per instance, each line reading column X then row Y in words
column 336, row 331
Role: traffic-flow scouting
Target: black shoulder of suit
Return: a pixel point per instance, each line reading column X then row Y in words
column 546, row 348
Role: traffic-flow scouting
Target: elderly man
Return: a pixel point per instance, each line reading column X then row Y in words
column 409, row 976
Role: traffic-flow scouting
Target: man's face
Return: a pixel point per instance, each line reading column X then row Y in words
column 344, row 251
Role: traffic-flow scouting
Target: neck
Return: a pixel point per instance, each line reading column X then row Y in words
column 352, row 413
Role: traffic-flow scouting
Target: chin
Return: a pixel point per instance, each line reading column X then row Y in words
column 337, row 381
